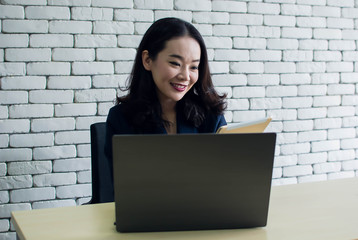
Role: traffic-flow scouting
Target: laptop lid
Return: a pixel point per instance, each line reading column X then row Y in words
column 192, row 182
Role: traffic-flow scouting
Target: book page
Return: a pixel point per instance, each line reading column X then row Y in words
column 255, row 126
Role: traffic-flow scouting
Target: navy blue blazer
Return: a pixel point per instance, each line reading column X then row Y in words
column 117, row 124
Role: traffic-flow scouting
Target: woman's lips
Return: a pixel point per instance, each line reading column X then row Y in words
column 178, row 87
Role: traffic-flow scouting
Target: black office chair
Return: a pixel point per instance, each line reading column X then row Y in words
column 102, row 185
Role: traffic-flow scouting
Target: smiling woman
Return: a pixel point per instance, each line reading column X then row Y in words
column 170, row 89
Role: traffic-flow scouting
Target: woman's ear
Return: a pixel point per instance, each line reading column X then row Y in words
column 146, row 60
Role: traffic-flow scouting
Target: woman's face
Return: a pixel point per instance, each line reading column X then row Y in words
column 175, row 69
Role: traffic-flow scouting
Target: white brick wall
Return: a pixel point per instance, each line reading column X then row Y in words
column 62, row 61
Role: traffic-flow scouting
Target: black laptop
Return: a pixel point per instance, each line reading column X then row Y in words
column 192, row 182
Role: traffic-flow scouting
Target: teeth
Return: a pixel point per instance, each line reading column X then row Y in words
column 178, row 86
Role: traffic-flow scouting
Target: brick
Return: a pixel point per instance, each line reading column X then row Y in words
column 263, row 79
column 243, row 116
column 93, row 14
column 33, row 194
column 14, row 40
column 129, row 41
column 311, row 67
column 6, row 209
column 325, row 78
column 199, row 5
column 312, row 113
column 297, row 102
column 108, row 27
column 51, row 96
column 23, row 83
column 48, row 68
column 284, row 181
column 341, row 133
column 341, row 155
column 296, row 33
column 287, row 160
column 322, row 146
column 69, row 82
column 4, row 197
column 95, row 41
column 327, row 56
column 72, row 54
column 72, row 137
column 24, row 2
column 348, row 3
column 350, row 122
column 263, row 8
column 265, row 55
column 219, row 67
column 31, row 110
column 54, row 179
column 279, row 67
column 296, row 10
column 95, row 95
column 15, row 182
column 313, row 44
column 33, row 167
column 115, row 54
column 75, row 109
column 13, row 97
column 4, row 140
column 250, row 43
column 4, row 113
column 300, row 170
column 245, row 19
column 264, row 31
column 52, row 124
column 54, row 204
column 133, row 15
column 31, row 140
column 156, row 4
column 123, row 67
column 265, row 103
column 350, row 56
column 281, row 91
column 324, row 33
column 309, row 136
column 350, row 100
column 12, row 69
column 326, row 11
column 327, row 167
column 230, row 30
column 350, row 34
column 84, row 177
column 312, row 90
column 313, row 22
column 350, row 165
column 238, row 104
column 341, row 23
column 279, row 20
column 213, row 18
column 298, row 125
column 312, row 178
column 339, row 67
column 92, row 68
column 79, row 190
column 281, row 1
column 4, row 225
column 185, row 15
column 247, row 67
column 349, row 12
column 229, row 6
column 113, row 4
column 248, row 92
column 341, row 89
column 297, row 56
column 8, row 12
column 282, row 44
column 84, row 123
column 84, row 150
column 349, row 143
column 69, row 2
column 295, row 148
column 312, row 158
column 74, row 27
column 54, row 152
column 326, row 101
column 51, row 40
column 14, row 125
column 24, row 26
column 327, row 123
column 295, row 79
column 109, row 81
column 48, row 13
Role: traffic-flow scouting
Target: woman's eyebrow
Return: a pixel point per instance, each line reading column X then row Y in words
column 181, row 58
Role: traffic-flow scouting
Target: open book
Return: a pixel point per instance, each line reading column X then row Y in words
column 255, row 126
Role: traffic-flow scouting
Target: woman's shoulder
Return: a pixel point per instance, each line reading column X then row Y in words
column 212, row 122
column 117, row 119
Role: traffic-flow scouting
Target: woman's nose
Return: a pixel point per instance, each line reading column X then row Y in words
column 184, row 74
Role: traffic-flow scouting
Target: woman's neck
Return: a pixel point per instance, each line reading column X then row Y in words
column 169, row 115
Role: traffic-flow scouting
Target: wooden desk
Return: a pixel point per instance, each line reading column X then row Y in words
column 320, row 210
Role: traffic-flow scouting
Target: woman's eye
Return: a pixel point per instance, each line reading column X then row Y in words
column 194, row 67
column 175, row 64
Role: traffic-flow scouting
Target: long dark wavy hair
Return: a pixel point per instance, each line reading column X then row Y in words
column 141, row 105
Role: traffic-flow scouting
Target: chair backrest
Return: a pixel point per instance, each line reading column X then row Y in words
column 102, row 185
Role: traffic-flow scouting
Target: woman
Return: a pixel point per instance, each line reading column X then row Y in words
column 170, row 88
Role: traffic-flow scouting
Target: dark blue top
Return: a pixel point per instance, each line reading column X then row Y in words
column 118, row 124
